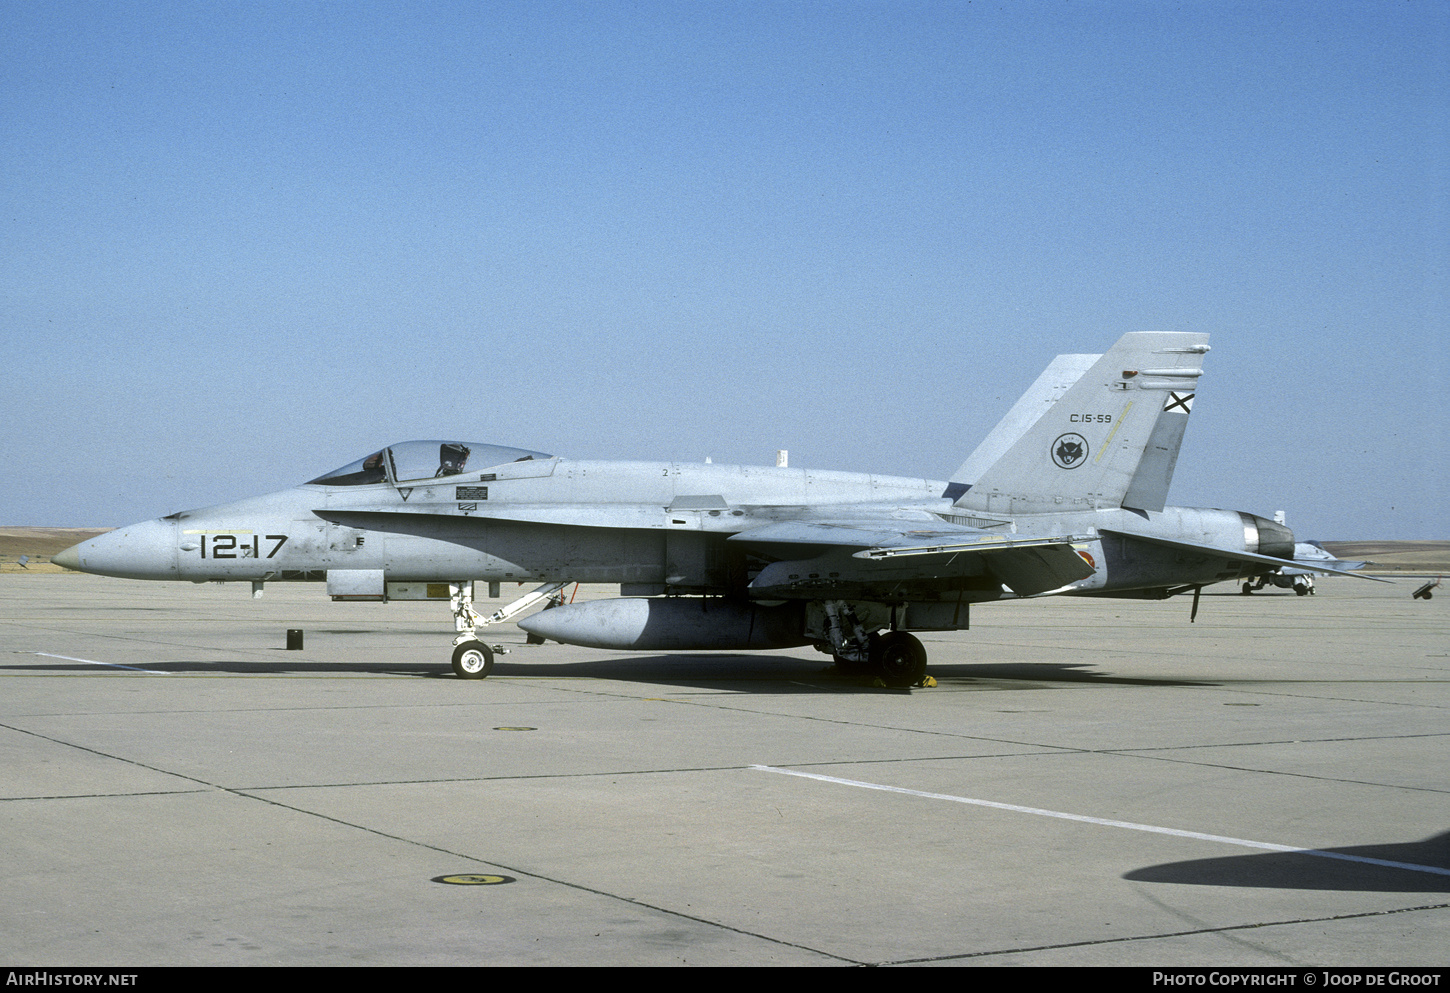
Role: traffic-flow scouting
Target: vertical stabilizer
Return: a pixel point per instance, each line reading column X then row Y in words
column 1056, row 379
column 1111, row 439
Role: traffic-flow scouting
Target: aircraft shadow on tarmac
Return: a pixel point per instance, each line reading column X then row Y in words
column 765, row 672
column 771, row 673
column 803, row 674
column 819, row 672
column 1300, row 871
column 1049, row 672
column 237, row 667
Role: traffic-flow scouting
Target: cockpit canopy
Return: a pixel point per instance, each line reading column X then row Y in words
column 414, row 460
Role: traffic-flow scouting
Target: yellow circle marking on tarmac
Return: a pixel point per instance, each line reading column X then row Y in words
column 473, row 879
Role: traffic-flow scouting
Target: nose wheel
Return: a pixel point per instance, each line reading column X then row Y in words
column 472, row 660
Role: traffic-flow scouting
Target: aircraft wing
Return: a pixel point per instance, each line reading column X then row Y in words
column 1238, row 556
column 875, row 552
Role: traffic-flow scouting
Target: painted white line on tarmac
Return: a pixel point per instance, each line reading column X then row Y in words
column 1150, row 828
column 115, row 665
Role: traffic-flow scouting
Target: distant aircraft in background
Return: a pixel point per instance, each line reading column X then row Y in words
column 1066, row 496
column 1300, row 577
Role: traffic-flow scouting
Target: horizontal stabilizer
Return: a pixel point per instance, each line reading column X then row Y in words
column 1236, row 556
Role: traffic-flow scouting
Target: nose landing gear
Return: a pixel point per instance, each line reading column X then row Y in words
column 472, row 659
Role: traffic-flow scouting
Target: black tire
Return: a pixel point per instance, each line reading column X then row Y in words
column 1248, row 588
column 899, row 659
column 472, row 660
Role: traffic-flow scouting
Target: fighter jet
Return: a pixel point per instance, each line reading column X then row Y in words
column 1309, row 559
column 1066, row 496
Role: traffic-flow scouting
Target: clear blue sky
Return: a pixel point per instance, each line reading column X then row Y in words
column 245, row 243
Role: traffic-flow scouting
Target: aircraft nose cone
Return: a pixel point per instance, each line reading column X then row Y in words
column 140, row 551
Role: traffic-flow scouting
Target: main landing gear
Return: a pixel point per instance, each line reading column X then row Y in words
column 894, row 657
column 472, row 659
column 1302, row 585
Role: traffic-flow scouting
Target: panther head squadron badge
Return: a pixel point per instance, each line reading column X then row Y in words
column 1070, row 451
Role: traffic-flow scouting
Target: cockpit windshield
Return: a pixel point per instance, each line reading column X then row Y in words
column 415, row 460
column 368, row 470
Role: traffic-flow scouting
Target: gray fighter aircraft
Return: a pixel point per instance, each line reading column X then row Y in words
column 1065, row 496
column 1299, row 577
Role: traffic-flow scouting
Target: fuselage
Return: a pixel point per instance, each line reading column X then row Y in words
column 1067, row 495
column 658, row 527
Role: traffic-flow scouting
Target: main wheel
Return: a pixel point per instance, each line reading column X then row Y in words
column 472, row 660
column 899, row 659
